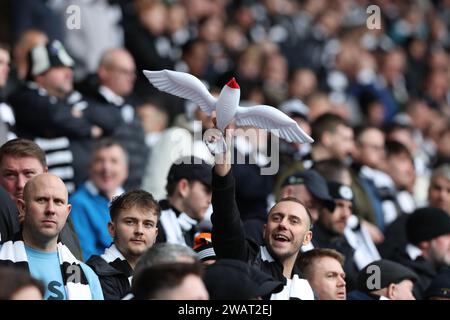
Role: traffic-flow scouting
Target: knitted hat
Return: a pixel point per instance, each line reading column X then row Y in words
column 203, row 246
column 42, row 57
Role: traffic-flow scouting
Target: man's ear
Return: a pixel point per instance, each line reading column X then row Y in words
column 326, row 138
column 101, row 72
column 21, row 207
column 183, row 187
column 308, row 237
column 391, row 291
column 112, row 229
column 45, row 169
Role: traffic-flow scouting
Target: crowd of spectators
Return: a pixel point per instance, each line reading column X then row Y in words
column 82, row 131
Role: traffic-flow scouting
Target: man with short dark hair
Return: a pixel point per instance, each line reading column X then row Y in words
column 20, row 159
column 368, row 181
column 333, row 138
column 340, row 229
column 329, row 231
column 323, row 268
column 188, row 198
column 400, row 167
column 134, row 216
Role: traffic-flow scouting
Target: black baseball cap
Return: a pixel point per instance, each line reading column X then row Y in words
column 315, row 184
column 339, row 191
column 192, row 169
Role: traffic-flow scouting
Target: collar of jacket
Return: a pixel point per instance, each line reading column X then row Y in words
column 110, row 96
column 324, row 238
column 165, row 204
column 94, row 191
column 103, row 268
column 34, row 86
column 267, row 257
column 323, row 234
column 413, row 252
column 186, row 223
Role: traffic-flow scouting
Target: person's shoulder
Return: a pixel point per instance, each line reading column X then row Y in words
column 80, row 195
column 88, row 271
column 101, row 267
column 93, row 280
column 94, row 262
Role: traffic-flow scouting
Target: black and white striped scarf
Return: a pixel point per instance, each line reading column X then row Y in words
column 115, row 259
column 74, row 279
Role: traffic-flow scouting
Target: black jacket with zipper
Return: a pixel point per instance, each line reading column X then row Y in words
column 115, row 283
column 228, row 235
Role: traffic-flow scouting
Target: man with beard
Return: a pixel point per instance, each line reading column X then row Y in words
column 188, row 199
column 134, row 216
column 286, row 231
column 428, row 248
column 329, row 229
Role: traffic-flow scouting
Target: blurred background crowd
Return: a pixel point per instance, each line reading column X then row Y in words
column 375, row 100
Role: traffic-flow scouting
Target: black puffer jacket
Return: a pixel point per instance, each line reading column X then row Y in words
column 115, row 283
column 230, row 242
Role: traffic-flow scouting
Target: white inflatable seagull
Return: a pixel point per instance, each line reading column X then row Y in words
column 227, row 107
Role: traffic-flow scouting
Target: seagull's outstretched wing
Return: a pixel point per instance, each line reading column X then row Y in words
column 267, row 117
column 183, row 85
